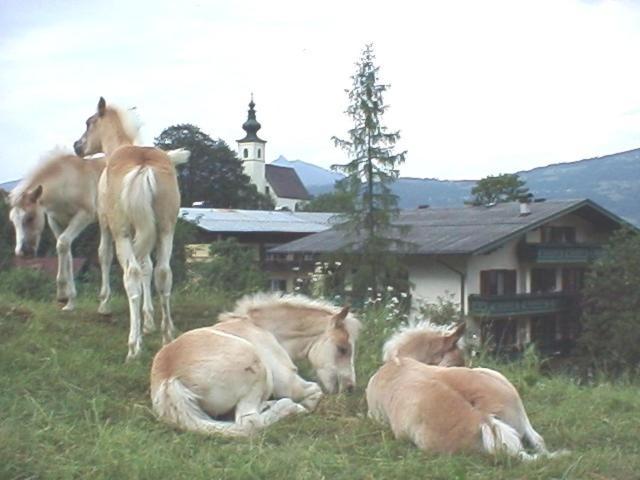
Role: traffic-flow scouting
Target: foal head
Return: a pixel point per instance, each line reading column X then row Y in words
column 332, row 354
column 27, row 216
column 427, row 343
column 106, row 130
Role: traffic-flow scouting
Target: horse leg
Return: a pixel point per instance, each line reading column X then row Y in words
column 252, row 414
column 163, row 278
column 56, row 228
column 147, row 300
column 105, row 252
column 133, row 279
column 78, row 223
column 288, row 384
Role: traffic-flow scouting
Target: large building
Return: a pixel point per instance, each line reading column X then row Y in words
column 515, row 270
column 281, row 183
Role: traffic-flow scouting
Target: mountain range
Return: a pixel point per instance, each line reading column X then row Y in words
column 612, row 181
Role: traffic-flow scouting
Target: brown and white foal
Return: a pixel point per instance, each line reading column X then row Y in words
column 446, row 408
column 138, row 203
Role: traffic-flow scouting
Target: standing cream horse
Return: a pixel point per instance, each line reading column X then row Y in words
column 447, row 408
column 63, row 188
column 138, row 203
column 234, row 367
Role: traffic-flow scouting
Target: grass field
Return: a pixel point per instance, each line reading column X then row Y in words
column 70, row 408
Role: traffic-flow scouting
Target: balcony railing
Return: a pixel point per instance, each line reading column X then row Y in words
column 545, row 253
column 521, row 304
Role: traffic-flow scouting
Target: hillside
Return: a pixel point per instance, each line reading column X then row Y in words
column 613, row 181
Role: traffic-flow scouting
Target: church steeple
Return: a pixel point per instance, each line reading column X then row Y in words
column 251, row 126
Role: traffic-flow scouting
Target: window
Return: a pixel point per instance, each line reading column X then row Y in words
column 245, row 153
column 278, row 285
column 543, row 280
column 497, row 282
column 572, row 279
column 559, row 235
column 266, row 190
column 259, row 153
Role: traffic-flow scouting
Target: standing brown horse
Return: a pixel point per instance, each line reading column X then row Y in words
column 138, row 203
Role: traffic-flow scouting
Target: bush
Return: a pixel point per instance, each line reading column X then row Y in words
column 610, row 337
column 232, row 268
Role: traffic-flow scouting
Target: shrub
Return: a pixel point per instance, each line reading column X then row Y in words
column 610, row 338
column 232, row 268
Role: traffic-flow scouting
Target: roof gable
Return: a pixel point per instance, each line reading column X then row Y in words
column 285, row 182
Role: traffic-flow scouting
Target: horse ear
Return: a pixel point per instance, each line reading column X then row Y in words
column 453, row 337
column 35, row 194
column 102, row 106
column 338, row 319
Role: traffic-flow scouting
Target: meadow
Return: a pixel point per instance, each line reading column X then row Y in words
column 71, row 408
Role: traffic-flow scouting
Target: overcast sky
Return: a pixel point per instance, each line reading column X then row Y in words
column 477, row 87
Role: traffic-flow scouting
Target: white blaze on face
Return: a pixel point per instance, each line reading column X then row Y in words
column 17, row 215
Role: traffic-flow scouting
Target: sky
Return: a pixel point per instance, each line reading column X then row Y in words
column 477, row 87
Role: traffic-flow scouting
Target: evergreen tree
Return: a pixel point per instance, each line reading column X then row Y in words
column 213, row 174
column 369, row 173
column 507, row 187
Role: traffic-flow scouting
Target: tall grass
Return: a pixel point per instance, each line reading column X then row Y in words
column 70, row 408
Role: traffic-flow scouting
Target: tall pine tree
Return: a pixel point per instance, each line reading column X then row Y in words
column 369, row 173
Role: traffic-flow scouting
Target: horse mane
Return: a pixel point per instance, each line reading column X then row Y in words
column 130, row 121
column 263, row 300
column 47, row 159
column 409, row 330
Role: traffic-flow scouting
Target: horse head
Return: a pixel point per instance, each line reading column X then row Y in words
column 332, row 355
column 28, row 218
column 107, row 129
column 427, row 343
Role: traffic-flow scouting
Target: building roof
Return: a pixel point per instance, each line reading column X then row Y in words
column 462, row 230
column 285, row 182
column 251, row 126
column 8, row 186
column 219, row 220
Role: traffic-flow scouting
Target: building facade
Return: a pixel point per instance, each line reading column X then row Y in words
column 514, row 271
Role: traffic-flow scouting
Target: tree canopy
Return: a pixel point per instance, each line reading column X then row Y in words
column 611, row 308
column 371, row 169
column 340, row 200
column 507, row 187
column 213, row 174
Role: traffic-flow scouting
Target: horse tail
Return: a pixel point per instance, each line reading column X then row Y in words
column 498, row 436
column 138, row 192
column 177, row 405
column 178, row 156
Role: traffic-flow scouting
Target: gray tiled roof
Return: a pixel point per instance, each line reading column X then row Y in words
column 219, row 220
column 285, row 182
column 462, row 230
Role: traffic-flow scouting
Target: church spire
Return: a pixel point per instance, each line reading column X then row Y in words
column 251, row 126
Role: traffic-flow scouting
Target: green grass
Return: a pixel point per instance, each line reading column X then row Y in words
column 70, row 408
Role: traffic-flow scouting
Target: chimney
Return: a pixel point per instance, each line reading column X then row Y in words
column 524, row 200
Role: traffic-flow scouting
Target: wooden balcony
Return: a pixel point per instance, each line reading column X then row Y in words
column 521, row 304
column 559, row 253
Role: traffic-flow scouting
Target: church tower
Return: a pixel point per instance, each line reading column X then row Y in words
column 251, row 150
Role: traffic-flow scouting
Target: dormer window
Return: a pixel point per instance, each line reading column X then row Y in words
column 245, row 153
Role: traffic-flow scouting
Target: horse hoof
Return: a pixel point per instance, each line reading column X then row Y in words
column 149, row 328
column 68, row 308
column 104, row 310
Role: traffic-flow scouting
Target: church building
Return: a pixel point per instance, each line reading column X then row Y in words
column 281, row 183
